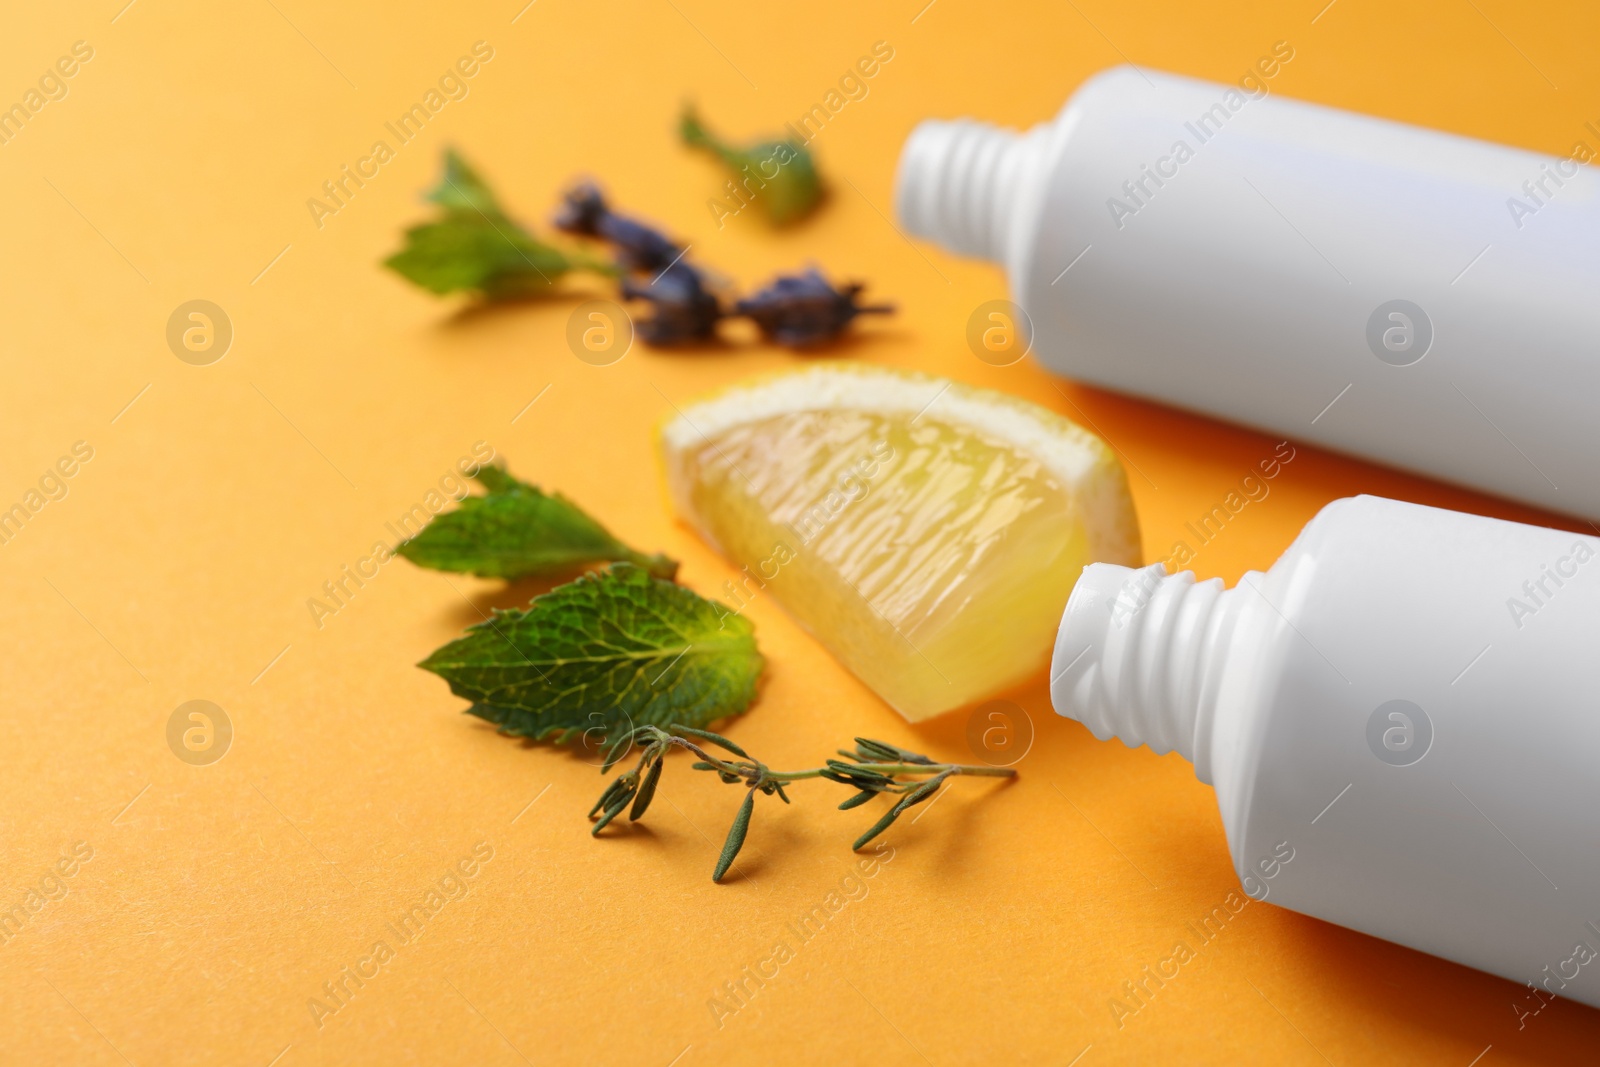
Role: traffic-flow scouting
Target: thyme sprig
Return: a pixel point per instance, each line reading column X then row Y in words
column 872, row 768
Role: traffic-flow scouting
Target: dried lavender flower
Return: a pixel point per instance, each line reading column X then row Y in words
column 684, row 309
column 800, row 310
column 641, row 247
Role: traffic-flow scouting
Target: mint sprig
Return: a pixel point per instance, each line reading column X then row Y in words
column 518, row 531
column 476, row 247
column 605, row 654
column 462, row 190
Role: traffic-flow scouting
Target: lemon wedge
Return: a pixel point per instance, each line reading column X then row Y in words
column 927, row 533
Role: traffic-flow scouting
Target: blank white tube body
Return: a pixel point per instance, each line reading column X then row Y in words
column 1414, row 297
column 1401, row 719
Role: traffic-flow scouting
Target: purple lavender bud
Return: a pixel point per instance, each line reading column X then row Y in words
column 584, row 211
column 800, row 310
column 683, row 308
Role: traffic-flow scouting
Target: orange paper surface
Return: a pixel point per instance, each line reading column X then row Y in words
column 217, row 900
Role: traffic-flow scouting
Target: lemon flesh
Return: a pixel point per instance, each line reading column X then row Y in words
column 928, row 534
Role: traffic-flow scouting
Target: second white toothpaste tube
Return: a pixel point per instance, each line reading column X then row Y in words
column 1400, row 721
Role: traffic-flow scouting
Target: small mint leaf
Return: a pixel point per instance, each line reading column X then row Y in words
column 518, row 531
column 461, row 189
column 475, row 247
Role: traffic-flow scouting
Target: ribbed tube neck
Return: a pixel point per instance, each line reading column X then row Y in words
column 1139, row 655
column 959, row 184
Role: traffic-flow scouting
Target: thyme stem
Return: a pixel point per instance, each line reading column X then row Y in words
column 873, row 768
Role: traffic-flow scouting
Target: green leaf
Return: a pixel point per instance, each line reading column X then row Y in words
column 489, row 255
column 461, row 189
column 476, row 247
column 855, row 801
column 707, row 735
column 916, row 796
column 882, row 752
column 517, row 531
column 607, row 797
column 616, row 749
column 736, row 833
column 877, row 828
column 781, row 173
column 612, row 812
column 612, row 650
column 853, row 774
column 647, row 790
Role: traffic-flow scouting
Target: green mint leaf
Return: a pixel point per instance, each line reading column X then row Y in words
column 475, row 247
column 461, row 189
column 612, row 650
column 780, row 173
column 480, row 254
column 518, row 531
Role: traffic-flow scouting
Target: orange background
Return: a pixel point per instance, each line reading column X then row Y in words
column 219, row 898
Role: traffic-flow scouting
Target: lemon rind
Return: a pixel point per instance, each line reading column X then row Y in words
column 1084, row 463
